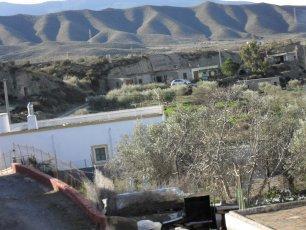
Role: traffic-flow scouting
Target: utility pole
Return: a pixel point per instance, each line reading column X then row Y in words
column 220, row 58
column 7, row 105
column 295, row 16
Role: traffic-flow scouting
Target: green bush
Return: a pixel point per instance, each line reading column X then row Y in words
column 131, row 96
column 102, row 103
column 167, row 95
column 294, row 84
column 180, row 90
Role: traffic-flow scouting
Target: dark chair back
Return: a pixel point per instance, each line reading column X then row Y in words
column 198, row 209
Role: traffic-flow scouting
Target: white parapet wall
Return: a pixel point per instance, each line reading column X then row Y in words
column 4, row 123
column 93, row 118
column 235, row 221
column 72, row 139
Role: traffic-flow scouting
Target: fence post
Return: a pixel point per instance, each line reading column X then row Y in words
column 19, row 152
column 41, row 155
column 56, row 166
column 4, row 161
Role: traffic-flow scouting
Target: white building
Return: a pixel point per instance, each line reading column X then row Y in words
column 282, row 57
column 206, row 72
column 82, row 140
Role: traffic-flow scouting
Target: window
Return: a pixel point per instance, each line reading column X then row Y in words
column 25, row 91
column 159, row 79
column 99, row 153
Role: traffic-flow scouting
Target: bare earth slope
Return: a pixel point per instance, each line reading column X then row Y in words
column 27, row 205
column 131, row 26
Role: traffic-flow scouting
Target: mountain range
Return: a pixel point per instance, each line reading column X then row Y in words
column 7, row 9
column 139, row 25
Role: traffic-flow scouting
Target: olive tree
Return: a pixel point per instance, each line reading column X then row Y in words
column 232, row 138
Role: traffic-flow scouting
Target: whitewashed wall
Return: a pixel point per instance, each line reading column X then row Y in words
column 74, row 143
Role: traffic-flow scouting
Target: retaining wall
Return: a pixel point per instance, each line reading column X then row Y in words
column 70, row 192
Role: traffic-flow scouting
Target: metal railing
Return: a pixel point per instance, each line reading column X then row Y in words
column 45, row 162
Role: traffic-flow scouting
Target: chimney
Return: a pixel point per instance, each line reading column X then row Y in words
column 4, row 123
column 32, row 120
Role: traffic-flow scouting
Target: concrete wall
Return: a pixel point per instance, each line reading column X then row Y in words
column 74, row 143
column 254, row 83
column 145, row 78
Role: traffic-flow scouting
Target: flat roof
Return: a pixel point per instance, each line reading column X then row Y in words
column 280, row 54
column 206, row 67
column 89, row 119
column 294, row 218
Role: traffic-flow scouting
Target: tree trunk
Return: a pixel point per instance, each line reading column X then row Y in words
column 226, row 190
column 291, row 185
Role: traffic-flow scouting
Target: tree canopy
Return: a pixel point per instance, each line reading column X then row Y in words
column 229, row 136
column 229, row 68
column 253, row 57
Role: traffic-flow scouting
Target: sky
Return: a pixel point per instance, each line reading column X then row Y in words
column 279, row 2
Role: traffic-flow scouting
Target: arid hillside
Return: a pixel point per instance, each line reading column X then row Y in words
column 137, row 25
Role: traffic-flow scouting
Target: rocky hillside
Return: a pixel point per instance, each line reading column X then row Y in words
column 26, row 83
column 135, row 25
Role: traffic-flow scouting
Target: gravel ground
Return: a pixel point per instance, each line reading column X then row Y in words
column 27, row 205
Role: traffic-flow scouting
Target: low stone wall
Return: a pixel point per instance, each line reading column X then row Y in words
column 70, row 192
column 236, row 220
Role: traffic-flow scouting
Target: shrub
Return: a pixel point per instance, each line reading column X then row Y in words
column 229, row 68
column 167, row 95
column 102, row 103
column 180, row 90
column 294, row 84
column 129, row 96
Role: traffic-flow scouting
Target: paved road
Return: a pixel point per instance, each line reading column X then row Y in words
column 27, row 205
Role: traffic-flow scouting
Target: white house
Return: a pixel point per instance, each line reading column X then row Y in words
column 82, row 140
column 282, row 57
column 206, row 73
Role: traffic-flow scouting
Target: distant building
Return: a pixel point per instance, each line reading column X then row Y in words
column 164, row 68
column 279, row 58
column 282, row 57
column 207, row 73
column 85, row 141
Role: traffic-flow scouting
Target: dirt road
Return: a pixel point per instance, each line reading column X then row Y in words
column 27, row 205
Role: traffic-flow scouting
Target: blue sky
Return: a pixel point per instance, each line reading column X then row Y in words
column 279, row 2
